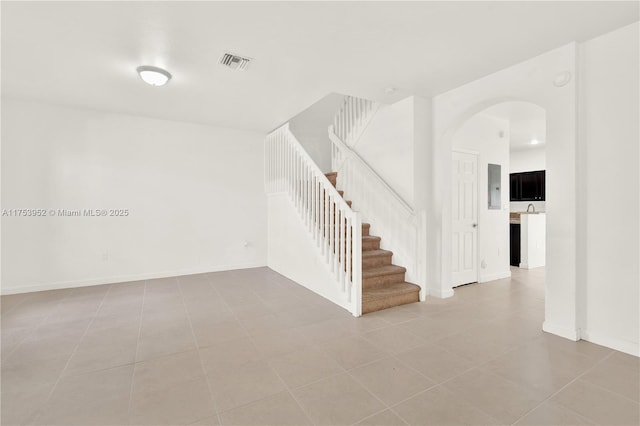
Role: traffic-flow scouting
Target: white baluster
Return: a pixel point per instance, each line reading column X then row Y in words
column 336, row 236
column 342, row 249
column 357, row 267
column 348, row 251
column 309, row 196
column 325, row 229
column 330, row 231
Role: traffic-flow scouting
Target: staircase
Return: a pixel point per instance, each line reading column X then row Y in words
column 383, row 283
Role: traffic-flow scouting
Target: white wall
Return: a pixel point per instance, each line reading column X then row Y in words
column 311, row 127
column 530, row 81
column 610, row 185
column 387, row 145
column 482, row 134
column 527, row 160
column 195, row 196
column 293, row 253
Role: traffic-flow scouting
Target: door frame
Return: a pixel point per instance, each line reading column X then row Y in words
column 477, row 259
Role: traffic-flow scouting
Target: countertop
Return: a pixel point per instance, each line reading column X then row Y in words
column 514, row 217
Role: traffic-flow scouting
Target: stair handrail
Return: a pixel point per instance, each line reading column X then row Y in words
column 339, row 144
column 335, row 227
column 305, row 155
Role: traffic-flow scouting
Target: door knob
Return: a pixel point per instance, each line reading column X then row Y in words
column 475, row 225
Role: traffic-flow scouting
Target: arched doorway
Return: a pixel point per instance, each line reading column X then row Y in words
column 488, row 234
column 531, row 81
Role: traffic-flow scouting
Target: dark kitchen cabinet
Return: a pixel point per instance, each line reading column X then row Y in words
column 514, row 187
column 527, row 186
column 514, row 234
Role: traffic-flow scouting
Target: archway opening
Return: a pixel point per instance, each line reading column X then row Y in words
column 498, row 200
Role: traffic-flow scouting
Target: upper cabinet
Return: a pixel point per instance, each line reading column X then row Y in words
column 527, row 186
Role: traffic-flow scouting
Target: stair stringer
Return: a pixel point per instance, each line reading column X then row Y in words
column 292, row 253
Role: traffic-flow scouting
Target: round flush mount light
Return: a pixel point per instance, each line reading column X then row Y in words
column 562, row 79
column 534, row 141
column 153, row 75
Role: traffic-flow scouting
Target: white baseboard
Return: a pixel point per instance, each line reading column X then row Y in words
column 567, row 333
column 439, row 293
column 527, row 266
column 5, row 290
column 622, row 345
column 494, row 276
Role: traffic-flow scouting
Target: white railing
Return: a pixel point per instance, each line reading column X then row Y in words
column 336, row 229
column 391, row 218
column 352, row 118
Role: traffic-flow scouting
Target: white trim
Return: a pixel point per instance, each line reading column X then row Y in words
column 478, row 224
column 124, row 278
column 567, row 333
column 441, row 294
column 622, row 345
column 523, row 266
column 494, row 276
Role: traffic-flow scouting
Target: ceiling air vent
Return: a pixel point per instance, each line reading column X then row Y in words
column 235, row 62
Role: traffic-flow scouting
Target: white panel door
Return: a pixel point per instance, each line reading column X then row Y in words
column 465, row 219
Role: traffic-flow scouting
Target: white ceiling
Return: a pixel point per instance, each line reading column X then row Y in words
column 85, row 53
column 527, row 121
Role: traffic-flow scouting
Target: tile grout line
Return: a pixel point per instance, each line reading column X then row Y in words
column 55, row 385
column 609, row 390
column 24, row 299
column 272, row 369
column 513, row 349
column 379, row 412
column 36, row 327
column 478, row 367
column 435, row 385
column 34, row 416
column 195, row 340
column 441, row 384
column 578, row 377
column 391, row 356
column 135, row 358
column 290, row 392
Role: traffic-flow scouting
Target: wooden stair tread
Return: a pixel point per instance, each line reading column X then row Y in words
column 389, row 290
column 383, row 284
column 383, row 270
column 371, row 238
column 374, row 253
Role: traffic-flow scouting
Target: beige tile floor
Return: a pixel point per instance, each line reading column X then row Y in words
column 251, row 347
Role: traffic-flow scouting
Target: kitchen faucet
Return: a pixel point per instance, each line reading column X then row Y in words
column 532, row 206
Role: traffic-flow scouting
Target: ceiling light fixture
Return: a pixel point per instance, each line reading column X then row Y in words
column 153, row 75
column 534, row 142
